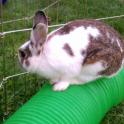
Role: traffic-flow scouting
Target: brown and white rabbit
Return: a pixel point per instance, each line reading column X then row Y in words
column 78, row 52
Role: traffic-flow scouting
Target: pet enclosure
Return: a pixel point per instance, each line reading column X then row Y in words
column 17, row 86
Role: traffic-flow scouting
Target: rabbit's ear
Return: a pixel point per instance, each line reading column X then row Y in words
column 39, row 17
column 40, row 28
column 39, row 34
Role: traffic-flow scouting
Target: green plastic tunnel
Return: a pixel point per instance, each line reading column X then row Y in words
column 80, row 104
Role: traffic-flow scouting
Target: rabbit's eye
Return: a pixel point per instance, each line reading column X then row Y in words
column 22, row 53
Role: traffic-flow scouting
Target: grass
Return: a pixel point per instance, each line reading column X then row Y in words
column 20, row 89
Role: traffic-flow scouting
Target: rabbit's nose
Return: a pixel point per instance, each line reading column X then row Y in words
column 22, row 53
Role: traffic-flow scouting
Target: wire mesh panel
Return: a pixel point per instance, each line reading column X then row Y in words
column 16, row 16
column 16, row 87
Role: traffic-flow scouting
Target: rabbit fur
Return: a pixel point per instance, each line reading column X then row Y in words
column 77, row 53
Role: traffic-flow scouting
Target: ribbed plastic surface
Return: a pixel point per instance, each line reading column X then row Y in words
column 84, row 104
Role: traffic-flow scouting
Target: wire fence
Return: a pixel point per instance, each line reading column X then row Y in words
column 52, row 26
column 57, row 25
column 30, row 17
column 16, row 87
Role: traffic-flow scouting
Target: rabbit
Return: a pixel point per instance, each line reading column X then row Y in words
column 77, row 53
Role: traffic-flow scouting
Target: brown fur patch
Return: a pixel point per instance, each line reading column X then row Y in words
column 66, row 29
column 40, row 17
column 38, row 52
column 102, row 49
column 40, row 44
column 32, row 44
column 27, row 63
column 28, row 52
column 83, row 52
column 68, row 49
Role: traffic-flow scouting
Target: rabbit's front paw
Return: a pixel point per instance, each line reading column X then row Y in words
column 60, row 86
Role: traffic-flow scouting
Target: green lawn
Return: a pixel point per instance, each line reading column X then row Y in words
column 17, row 90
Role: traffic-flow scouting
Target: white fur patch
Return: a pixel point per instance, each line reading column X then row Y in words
column 119, row 45
column 78, row 40
column 123, row 62
column 90, row 72
column 32, row 36
column 60, row 86
column 113, row 40
column 25, row 45
column 93, row 31
column 108, row 35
